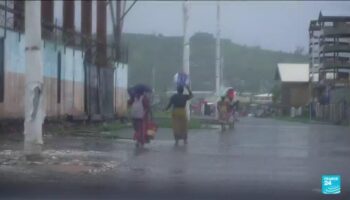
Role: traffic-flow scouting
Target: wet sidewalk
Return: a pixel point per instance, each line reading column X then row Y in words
column 62, row 157
column 72, row 155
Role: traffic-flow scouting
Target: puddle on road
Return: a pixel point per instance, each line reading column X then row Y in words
column 66, row 161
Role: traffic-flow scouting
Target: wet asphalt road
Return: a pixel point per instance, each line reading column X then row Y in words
column 259, row 159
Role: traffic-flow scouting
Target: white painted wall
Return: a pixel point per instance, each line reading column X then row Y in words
column 121, row 86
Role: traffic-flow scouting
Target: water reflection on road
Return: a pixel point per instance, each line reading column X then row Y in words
column 273, row 157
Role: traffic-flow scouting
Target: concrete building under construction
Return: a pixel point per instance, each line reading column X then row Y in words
column 330, row 64
column 84, row 76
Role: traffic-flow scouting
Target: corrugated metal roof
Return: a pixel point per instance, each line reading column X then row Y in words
column 290, row 72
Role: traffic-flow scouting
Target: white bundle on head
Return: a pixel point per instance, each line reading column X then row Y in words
column 181, row 79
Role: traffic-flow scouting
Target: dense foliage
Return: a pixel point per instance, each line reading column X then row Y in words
column 245, row 68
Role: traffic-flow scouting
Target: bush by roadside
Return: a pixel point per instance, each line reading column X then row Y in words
column 109, row 129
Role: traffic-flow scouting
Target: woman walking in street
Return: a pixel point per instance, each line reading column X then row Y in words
column 223, row 115
column 179, row 118
column 140, row 114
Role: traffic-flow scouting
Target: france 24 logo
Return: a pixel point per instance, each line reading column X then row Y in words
column 331, row 184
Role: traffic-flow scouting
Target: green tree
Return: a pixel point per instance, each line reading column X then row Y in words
column 245, row 68
column 276, row 93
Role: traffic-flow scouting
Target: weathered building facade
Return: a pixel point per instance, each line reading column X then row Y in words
column 331, row 91
column 83, row 76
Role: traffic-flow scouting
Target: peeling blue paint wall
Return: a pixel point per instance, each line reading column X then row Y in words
column 72, row 60
column 106, row 87
column 71, row 93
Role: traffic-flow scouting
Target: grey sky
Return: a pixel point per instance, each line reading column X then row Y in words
column 273, row 25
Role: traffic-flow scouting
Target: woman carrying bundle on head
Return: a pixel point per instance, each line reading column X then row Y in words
column 179, row 118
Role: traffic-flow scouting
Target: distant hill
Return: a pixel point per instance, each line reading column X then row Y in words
column 245, row 68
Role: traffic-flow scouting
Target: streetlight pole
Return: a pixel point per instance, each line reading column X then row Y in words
column 154, row 78
column 218, row 57
column 34, row 94
column 186, row 48
column 222, row 82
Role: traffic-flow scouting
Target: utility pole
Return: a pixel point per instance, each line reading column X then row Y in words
column 218, row 57
column 222, row 82
column 311, row 68
column 34, row 94
column 186, row 48
column 154, row 78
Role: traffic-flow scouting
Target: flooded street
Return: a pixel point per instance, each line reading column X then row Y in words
column 85, row 86
column 259, row 159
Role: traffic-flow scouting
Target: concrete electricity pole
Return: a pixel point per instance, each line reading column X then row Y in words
column 34, row 96
column 218, row 57
column 186, row 47
column 222, row 82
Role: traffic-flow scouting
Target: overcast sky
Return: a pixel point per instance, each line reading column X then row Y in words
column 275, row 25
column 272, row 25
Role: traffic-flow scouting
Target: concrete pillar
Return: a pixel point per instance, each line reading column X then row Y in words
column 118, row 31
column 47, row 18
column 34, row 93
column 68, row 22
column 186, row 49
column 18, row 18
column 86, row 26
column 101, row 34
